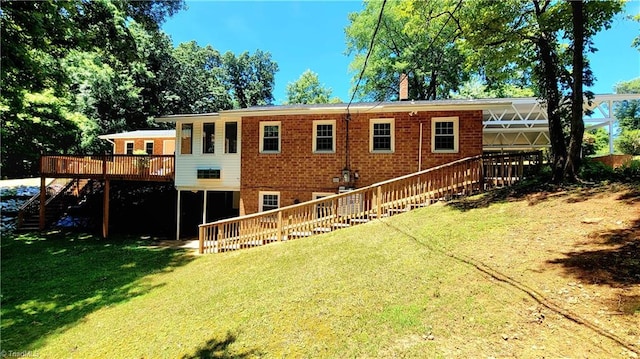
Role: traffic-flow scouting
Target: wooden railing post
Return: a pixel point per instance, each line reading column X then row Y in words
column 379, row 202
column 201, row 233
column 279, row 228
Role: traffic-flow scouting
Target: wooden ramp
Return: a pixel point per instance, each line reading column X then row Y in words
column 460, row 178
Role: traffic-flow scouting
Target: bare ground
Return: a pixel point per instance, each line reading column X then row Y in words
column 577, row 259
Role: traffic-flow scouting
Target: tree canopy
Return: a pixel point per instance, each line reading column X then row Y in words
column 308, row 90
column 79, row 69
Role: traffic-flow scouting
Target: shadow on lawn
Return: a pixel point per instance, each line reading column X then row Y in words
column 52, row 281
column 219, row 349
column 535, row 192
column 617, row 264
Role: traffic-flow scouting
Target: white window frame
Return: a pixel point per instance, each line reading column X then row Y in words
column 375, row 121
column 270, row 123
column 456, row 134
column 133, row 147
column 181, row 138
column 224, row 138
column 204, row 138
column 315, row 135
column 261, row 195
column 152, row 146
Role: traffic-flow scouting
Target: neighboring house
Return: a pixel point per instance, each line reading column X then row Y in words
column 153, row 142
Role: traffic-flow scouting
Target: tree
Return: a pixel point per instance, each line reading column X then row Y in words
column 414, row 38
column 197, row 78
column 308, row 90
column 250, row 78
column 48, row 96
column 628, row 112
column 508, row 34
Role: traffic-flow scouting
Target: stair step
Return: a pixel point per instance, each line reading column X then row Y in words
column 393, row 211
column 340, row 225
column 300, row 234
column 322, row 230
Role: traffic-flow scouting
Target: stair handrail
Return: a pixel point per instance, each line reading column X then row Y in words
column 32, row 205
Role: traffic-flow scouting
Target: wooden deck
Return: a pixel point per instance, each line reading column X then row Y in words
column 157, row 168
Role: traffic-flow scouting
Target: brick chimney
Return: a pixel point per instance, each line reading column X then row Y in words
column 404, row 87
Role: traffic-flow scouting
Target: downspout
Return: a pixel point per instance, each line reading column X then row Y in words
column 420, row 150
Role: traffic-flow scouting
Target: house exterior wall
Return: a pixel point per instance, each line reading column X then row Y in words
column 138, row 144
column 296, row 172
column 187, row 165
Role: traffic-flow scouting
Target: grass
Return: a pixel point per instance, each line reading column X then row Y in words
column 406, row 286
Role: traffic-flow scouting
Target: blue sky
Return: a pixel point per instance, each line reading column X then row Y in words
column 303, row 35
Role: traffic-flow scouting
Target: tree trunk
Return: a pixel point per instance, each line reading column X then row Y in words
column 549, row 85
column 577, row 124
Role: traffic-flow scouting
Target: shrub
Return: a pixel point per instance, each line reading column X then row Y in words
column 629, row 142
column 629, row 171
column 596, row 171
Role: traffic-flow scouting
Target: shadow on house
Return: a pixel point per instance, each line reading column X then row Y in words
column 219, row 349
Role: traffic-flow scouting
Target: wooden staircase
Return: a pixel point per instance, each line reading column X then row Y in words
column 61, row 194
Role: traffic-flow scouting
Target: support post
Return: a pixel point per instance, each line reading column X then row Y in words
column 43, row 202
column 178, row 217
column 610, row 136
column 105, row 210
column 280, row 227
column 204, row 208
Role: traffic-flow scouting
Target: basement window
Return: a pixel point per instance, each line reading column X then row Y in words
column 444, row 134
column 208, row 173
column 269, row 201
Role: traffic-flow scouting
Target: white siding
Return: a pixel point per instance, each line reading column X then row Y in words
column 188, row 165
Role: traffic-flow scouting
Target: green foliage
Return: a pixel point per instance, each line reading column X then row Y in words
column 308, row 90
column 250, row 78
column 628, row 142
column 628, row 112
column 414, row 38
column 594, row 142
column 474, row 88
column 629, row 171
column 596, row 171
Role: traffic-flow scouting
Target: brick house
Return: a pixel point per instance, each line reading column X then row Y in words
column 260, row 158
column 153, row 142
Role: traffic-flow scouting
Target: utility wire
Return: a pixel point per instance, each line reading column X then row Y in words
column 366, row 59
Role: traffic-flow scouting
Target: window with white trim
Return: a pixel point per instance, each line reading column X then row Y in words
column 324, row 136
column 128, row 147
column 270, row 137
column 269, row 201
column 381, row 135
column 148, row 147
column 444, row 134
column 208, row 137
column 230, row 137
column 186, row 134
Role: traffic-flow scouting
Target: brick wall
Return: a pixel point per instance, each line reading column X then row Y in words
column 138, row 144
column 296, row 172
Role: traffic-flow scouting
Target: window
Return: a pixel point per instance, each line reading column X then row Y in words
column 270, row 137
column 208, row 137
column 324, row 136
column 231, row 137
column 186, row 138
column 128, row 147
column 209, row 173
column 269, row 201
column 323, row 209
column 381, row 135
column 444, row 134
column 148, row 147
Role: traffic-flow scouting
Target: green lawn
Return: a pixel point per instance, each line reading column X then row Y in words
column 390, row 288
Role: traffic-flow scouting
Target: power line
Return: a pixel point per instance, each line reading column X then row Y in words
column 366, row 59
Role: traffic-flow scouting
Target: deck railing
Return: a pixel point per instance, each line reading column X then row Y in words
column 462, row 177
column 124, row 167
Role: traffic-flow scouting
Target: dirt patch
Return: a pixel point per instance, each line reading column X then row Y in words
column 576, row 252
